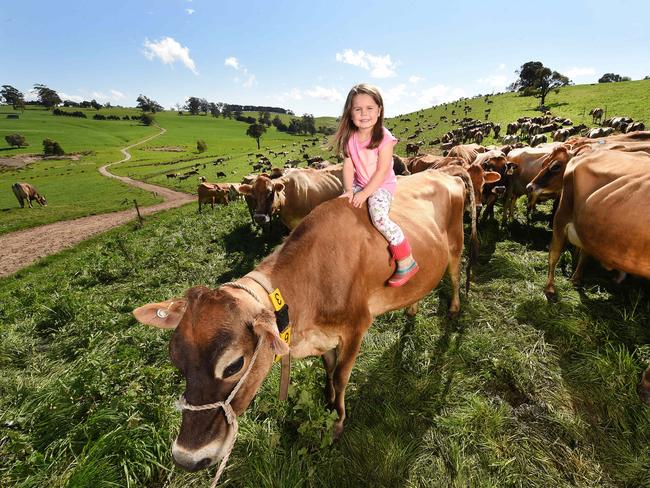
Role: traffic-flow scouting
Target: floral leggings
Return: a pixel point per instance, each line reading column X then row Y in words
column 378, row 208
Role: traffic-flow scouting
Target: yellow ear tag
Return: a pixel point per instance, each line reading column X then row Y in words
column 276, row 299
column 285, row 335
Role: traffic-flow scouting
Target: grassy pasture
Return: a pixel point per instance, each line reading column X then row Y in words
column 516, row 392
column 73, row 188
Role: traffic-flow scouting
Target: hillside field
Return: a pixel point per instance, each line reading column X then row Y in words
column 517, row 392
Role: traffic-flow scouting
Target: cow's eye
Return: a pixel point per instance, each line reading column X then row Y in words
column 234, row 367
column 555, row 166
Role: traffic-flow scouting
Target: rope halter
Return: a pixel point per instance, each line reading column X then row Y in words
column 182, row 404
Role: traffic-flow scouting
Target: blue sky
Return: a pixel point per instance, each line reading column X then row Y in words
column 305, row 56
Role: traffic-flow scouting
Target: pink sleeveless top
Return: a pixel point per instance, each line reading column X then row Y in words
column 365, row 161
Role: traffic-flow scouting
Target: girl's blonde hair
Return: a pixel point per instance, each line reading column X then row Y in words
column 346, row 126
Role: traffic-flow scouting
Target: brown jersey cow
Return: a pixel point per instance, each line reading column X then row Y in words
column 294, row 195
column 25, row 191
column 334, row 284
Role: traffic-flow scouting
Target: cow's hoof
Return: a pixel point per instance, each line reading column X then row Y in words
column 551, row 295
column 412, row 309
column 453, row 314
column 337, row 431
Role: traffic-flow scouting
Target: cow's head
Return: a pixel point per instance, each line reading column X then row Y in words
column 41, row 199
column 479, row 178
column 262, row 193
column 548, row 182
column 217, row 333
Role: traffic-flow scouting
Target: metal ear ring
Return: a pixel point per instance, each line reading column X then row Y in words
column 162, row 313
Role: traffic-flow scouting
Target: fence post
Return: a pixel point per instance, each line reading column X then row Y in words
column 138, row 212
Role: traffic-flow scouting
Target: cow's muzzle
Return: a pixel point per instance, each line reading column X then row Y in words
column 261, row 219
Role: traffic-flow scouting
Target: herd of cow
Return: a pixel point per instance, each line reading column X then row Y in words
column 332, row 269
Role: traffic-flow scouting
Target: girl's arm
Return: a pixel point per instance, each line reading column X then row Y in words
column 348, row 178
column 384, row 164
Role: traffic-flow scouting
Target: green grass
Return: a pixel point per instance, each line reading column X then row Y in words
column 517, row 392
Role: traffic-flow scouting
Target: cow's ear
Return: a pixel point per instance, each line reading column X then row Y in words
column 164, row 315
column 265, row 326
column 245, row 189
column 278, row 187
column 491, row 177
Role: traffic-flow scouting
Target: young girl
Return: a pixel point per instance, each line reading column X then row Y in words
column 368, row 170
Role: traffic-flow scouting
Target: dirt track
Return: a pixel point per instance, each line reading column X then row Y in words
column 24, row 247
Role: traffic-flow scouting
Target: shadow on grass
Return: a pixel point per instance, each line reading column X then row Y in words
column 534, row 236
column 397, row 400
column 247, row 245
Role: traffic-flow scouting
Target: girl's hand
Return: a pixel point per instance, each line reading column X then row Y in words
column 347, row 194
column 359, row 198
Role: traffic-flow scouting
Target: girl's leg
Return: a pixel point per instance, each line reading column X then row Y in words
column 379, row 207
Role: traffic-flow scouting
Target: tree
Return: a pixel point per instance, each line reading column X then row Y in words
column 204, row 106
column 612, row 78
column 193, row 105
column 94, row 104
column 147, row 119
column 147, row 105
column 12, row 96
column 537, row 80
column 294, row 126
column 214, row 110
column 278, row 124
column 47, row 97
column 307, row 124
column 16, row 140
column 226, row 111
column 201, row 146
column 256, row 131
column 264, row 118
column 52, row 148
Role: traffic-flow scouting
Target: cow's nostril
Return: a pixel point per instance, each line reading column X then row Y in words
column 203, row 463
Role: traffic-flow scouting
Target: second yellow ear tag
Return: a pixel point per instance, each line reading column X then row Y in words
column 285, row 335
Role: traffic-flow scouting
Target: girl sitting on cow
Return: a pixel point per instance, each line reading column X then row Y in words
column 367, row 147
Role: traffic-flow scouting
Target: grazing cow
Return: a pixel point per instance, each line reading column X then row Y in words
column 537, row 140
column 497, row 129
column 599, row 132
column 466, row 152
column 221, row 174
column 596, row 115
column 478, row 137
column 210, row 193
column 547, row 184
column 603, row 211
column 25, row 191
column 510, row 139
column 512, row 128
column 226, row 338
column 635, row 127
column 294, row 195
column 525, row 164
column 171, row 175
column 561, row 135
column 412, row 149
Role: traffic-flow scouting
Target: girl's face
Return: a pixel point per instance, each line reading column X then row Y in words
column 365, row 111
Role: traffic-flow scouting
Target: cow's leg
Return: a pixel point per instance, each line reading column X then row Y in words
column 412, row 309
column 29, row 201
column 557, row 246
column 454, row 275
column 576, row 278
column 329, row 363
column 644, row 387
column 348, row 350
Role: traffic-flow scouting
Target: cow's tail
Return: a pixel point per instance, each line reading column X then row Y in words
column 474, row 242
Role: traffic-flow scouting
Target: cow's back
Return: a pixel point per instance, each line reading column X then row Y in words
column 305, row 189
column 609, row 192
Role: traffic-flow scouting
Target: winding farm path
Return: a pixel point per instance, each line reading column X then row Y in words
column 24, row 247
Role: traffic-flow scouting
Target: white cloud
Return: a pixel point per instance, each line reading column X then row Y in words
column 394, row 95
column 232, row 62
column 379, row 66
column 293, row 94
column 249, row 78
column 494, row 81
column 440, row 94
column 250, row 81
column 502, row 67
column 329, row 94
column 415, row 79
column 576, row 72
column 190, row 11
column 169, row 51
column 65, row 96
column 117, row 95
